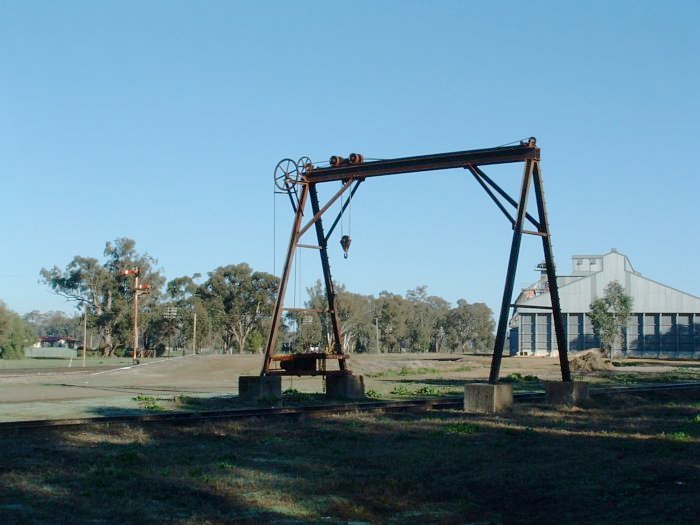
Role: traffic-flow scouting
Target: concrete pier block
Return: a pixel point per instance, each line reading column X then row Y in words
column 565, row 392
column 253, row 388
column 345, row 386
column 485, row 398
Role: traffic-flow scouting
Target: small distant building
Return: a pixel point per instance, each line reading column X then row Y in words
column 665, row 322
column 56, row 341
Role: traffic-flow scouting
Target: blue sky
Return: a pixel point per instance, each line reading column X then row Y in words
column 163, row 122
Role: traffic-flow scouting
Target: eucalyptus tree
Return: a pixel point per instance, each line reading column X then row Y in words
column 439, row 309
column 470, row 326
column 99, row 288
column 392, row 315
column 239, row 300
column 354, row 316
column 54, row 323
column 183, row 293
column 610, row 315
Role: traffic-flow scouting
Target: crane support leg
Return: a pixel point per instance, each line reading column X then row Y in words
column 284, row 280
column 557, row 317
column 328, row 279
column 510, row 275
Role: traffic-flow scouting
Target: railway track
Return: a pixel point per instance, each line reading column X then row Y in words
column 297, row 411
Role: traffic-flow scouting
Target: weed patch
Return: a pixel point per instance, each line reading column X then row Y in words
column 678, row 436
column 373, row 394
column 148, row 402
column 519, row 378
column 461, row 428
column 428, row 391
column 401, row 390
column 405, row 371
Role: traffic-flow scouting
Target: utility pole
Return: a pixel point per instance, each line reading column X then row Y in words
column 136, row 314
column 138, row 290
column 170, row 315
column 376, row 326
column 194, row 334
column 84, row 334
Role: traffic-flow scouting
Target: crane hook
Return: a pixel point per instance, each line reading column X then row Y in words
column 345, row 241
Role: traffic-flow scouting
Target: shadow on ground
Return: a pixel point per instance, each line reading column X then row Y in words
column 604, row 464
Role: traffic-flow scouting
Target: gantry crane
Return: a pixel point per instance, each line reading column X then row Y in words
column 299, row 180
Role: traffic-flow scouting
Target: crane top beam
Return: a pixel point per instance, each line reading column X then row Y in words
column 441, row 161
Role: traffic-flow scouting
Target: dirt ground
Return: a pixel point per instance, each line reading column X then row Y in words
column 84, row 393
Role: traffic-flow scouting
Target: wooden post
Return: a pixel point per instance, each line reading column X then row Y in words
column 136, row 310
column 194, row 335
column 84, row 334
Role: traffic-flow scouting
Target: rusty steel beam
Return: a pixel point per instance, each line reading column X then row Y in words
column 441, row 161
column 328, row 279
column 276, row 324
column 557, row 317
column 510, row 275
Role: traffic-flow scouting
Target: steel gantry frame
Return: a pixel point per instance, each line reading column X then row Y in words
column 300, row 179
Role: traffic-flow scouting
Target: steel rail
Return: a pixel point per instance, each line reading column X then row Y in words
column 423, row 404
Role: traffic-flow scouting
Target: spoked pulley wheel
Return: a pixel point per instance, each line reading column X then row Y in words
column 305, row 165
column 286, row 175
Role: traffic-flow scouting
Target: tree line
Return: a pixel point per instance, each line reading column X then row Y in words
column 232, row 307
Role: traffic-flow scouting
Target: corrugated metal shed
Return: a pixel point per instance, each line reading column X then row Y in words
column 664, row 318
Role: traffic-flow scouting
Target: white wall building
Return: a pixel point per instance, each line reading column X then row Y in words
column 665, row 322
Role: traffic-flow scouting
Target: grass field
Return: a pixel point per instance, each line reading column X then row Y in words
column 624, row 460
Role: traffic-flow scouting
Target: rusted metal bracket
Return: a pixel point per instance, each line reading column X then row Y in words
column 320, row 212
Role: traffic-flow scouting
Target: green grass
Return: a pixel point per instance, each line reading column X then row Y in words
column 519, row 378
column 427, row 390
column 620, row 460
column 678, row 436
column 679, row 374
column 461, row 428
column 401, row 390
column 373, row 394
column 405, row 371
column 150, row 402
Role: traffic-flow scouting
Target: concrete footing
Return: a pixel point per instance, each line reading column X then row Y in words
column 345, row 386
column 565, row 392
column 254, row 388
column 485, row 398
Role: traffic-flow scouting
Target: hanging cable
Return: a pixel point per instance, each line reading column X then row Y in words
column 301, row 304
column 274, row 232
column 345, row 240
column 342, row 203
column 350, row 215
column 294, row 294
